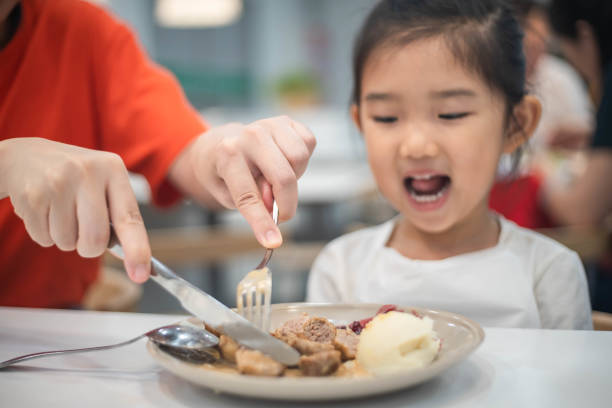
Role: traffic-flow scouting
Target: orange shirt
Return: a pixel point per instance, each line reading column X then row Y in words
column 74, row 74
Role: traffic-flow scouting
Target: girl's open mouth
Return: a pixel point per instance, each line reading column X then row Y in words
column 427, row 191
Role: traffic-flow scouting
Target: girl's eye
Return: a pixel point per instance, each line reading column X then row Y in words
column 452, row 116
column 385, row 119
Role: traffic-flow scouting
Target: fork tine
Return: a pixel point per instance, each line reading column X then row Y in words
column 240, row 302
column 257, row 309
column 253, row 301
column 267, row 293
column 249, row 303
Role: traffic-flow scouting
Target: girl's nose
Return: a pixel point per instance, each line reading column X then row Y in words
column 417, row 145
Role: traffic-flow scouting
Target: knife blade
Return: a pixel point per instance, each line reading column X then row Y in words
column 214, row 313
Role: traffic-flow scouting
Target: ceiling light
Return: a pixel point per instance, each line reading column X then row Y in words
column 197, row 13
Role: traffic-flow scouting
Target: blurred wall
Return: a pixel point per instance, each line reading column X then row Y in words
column 239, row 64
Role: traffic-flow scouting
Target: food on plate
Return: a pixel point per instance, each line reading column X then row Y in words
column 395, row 341
column 389, row 341
column 320, row 364
column 346, row 342
column 358, row 325
column 228, row 348
column 254, row 362
column 319, row 329
column 307, row 347
column 315, row 339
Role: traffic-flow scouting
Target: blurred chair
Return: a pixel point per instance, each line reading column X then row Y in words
column 602, row 321
column 112, row 291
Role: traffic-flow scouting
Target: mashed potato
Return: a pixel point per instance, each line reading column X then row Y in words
column 397, row 341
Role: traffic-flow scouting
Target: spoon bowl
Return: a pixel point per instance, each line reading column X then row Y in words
column 180, row 336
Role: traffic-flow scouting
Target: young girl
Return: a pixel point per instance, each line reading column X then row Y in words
column 439, row 95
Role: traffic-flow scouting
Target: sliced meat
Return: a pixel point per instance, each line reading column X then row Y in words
column 291, row 328
column 346, row 342
column 318, row 329
column 320, row 364
column 308, row 347
column 228, row 348
column 211, row 330
column 254, row 362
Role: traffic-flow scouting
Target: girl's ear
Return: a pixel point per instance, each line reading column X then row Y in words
column 355, row 116
column 526, row 116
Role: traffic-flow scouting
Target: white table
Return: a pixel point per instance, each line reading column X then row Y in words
column 512, row 368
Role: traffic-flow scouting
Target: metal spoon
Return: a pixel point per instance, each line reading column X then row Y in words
column 180, row 341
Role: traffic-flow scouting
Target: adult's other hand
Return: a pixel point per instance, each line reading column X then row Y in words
column 67, row 195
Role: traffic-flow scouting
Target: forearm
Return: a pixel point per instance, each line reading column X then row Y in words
column 588, row 199
column 182, row 176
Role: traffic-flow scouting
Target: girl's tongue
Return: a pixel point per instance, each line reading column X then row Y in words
column 427, row 185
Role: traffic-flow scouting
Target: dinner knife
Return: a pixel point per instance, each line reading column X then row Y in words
column 214, row 313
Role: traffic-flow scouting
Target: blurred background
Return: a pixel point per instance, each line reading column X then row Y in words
column 241, row 60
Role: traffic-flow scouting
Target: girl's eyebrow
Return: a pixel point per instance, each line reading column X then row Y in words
column 443, row 94
column 381, row 96
column 450, row 93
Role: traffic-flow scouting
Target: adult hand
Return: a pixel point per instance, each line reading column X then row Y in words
column 246, row 167
column 66, row 196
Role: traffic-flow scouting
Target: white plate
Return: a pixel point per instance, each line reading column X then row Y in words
column 460, row 336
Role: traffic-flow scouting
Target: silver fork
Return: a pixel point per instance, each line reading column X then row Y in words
column 254, row 291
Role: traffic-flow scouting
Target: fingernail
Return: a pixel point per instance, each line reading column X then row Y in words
column 273, row 238
column 141, row 273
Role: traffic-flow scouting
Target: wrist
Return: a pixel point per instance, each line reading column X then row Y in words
column 183, row 175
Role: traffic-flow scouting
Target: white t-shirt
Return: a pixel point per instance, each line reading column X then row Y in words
column 526, row 280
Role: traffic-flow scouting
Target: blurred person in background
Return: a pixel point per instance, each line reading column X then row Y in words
column 565, row 127
column 80, row 105
column 584, row 30
column 567, row 112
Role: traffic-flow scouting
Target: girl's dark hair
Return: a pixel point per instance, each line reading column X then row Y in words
column 598, row 13
column 483, row 35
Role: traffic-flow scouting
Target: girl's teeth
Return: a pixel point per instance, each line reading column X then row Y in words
column 427, row 198
column 423, row 177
